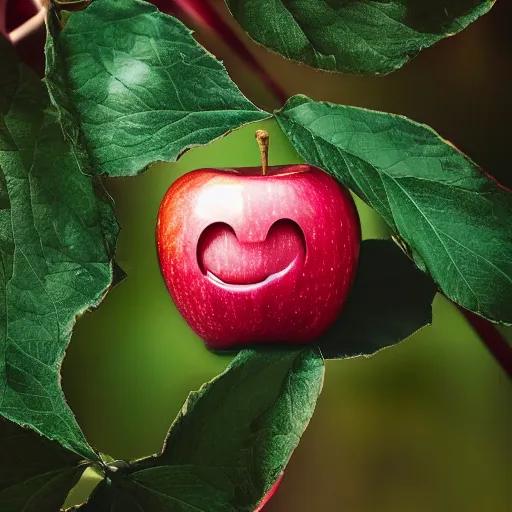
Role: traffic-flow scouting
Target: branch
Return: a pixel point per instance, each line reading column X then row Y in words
column 492, row 339
column 3, row 10
column 203, row 13
column 31, row 25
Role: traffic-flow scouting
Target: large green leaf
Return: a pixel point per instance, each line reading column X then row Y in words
column 354, row 36
column 390, row 300
column 234, row 437
column 36, row 474
column 230, row 443
column 135, row 87
column 57, row 235
column 454, row 218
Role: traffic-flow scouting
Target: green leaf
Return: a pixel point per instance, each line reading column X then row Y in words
column 57, row 236
column 453, row 217
column 134, row 87
column 229, row 444
column 356, row 36
column 234, row 437
column 390, row 300
column 163, row 489
column 36, row 474
column 121, row 494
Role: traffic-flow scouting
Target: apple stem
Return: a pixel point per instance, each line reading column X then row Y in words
column 263, row 139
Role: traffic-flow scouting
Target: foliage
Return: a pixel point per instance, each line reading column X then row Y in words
column 361, row 36
column 57, row 237
column 424, row 188
column 36, row 474
column 137, row 92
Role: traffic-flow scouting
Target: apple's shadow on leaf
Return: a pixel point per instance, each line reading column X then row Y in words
column 391, row 299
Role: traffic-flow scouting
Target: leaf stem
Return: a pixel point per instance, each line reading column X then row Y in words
column 263, row 139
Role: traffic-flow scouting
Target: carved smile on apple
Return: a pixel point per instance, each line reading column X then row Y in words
column 258, row 255
column 237, row 265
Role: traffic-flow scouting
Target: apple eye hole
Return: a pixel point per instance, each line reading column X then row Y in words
column 220, row 254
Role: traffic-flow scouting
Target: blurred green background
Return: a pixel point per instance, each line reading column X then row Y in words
column 424, row 426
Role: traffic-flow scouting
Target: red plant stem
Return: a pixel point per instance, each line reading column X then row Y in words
column 3, row 12
column 28, row 27
column 492, row 339
column 203, row 12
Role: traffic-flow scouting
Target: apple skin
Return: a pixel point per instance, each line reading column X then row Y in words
column 269, row 494
column 283, row 278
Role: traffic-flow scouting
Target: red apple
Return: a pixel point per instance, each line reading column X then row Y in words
column 269, row 494
column 258, row 258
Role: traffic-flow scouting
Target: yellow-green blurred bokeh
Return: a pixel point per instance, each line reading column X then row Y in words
column 423, row 427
